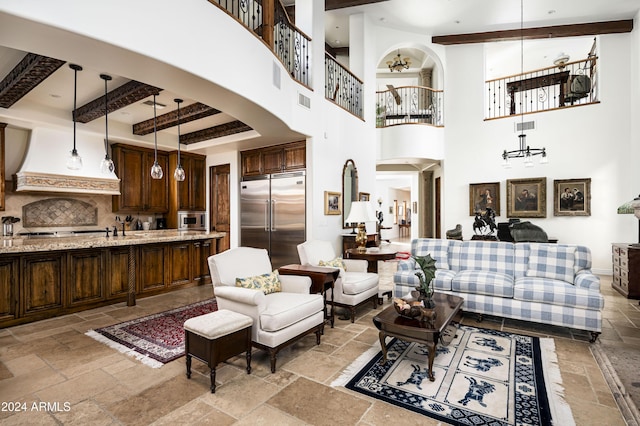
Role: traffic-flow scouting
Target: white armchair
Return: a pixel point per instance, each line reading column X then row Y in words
column 354, row 286
column 279, row 318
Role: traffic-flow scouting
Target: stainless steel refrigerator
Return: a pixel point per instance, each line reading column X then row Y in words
column 272, row 215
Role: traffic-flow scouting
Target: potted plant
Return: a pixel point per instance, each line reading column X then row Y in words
column 426, row 274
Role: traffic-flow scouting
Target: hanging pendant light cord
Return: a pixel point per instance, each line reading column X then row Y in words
column 155, row 133
column 178, row 101
column 521, row 62
column 106, row 114
column 75, row 90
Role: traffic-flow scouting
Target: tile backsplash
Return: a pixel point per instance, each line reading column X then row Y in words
column 62, row 211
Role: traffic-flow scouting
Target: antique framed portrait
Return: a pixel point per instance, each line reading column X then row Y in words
column 332, row 202
column 572, row 197
column 364, row 196
column 527, row 197
column 483, row 195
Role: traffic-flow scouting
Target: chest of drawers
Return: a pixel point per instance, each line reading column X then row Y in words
column 626, row 270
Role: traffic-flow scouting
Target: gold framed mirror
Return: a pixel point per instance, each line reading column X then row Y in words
column 349, row 190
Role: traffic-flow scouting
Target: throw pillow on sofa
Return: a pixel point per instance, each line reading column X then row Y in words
column 554, row 262
column 268, row 283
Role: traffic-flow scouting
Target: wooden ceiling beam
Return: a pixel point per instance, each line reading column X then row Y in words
column 31, row 70
column 125, row 95
column 574, row 30
column 340, row 4
column 214, row 132
column 189, row 113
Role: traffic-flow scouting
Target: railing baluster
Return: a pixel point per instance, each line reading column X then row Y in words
column 543, row 89
column 417, row 104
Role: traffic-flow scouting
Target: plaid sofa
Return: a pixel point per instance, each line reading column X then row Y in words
column 539, row 282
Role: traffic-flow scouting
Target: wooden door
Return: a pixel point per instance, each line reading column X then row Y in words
column 198, row 184
column 180, row 263
column 220, row 207
column 151, row 268
column 117, row 280
column 42, row 282
column 8, row 287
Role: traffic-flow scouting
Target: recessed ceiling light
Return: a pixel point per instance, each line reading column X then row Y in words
column 336, row 41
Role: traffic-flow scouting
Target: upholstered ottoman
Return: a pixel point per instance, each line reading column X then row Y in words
column 216, row 337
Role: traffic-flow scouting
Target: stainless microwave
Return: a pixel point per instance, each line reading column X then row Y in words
column 192, row 221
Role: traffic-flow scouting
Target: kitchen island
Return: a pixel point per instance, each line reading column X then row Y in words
column 46, row 277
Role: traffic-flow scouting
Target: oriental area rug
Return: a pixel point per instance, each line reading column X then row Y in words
column 155, row 339
column 483, row 377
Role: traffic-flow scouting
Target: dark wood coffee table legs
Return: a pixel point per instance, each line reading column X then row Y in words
column 431, row 347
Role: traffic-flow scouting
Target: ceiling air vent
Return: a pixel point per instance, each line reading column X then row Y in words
column 523, row 127
column 304, row 101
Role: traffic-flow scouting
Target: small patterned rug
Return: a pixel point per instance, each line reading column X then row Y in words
column 483, row 377
column 155, row 339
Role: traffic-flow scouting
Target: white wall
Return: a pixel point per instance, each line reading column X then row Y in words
column 584, row 142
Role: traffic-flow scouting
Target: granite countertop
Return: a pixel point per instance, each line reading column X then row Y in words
column 17, row 245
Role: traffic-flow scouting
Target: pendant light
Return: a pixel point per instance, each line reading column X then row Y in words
column 106, row 165
column 156, row 170
column 74, row 161
column 179, row 174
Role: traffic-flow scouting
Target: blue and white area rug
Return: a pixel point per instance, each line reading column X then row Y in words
column 483, row 377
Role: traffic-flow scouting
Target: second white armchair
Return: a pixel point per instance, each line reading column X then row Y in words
column 354, row 287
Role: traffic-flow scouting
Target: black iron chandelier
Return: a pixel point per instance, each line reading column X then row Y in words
column 524, row 151
column 399, row 63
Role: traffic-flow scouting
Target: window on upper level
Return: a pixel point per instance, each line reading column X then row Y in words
column 558, row 73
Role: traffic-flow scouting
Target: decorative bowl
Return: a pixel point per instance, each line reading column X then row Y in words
column 408, row 308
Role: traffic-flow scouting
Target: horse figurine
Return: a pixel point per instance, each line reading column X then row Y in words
column 484, row 221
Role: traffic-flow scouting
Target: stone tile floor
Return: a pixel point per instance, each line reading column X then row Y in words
column 75, row 380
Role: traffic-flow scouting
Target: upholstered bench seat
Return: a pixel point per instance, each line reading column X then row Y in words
column 216, row 337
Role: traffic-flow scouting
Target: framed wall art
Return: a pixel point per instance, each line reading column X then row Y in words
column 363, row 196
column 527, row 197
column 483, row 195
column 332, row 203
column 572, row 197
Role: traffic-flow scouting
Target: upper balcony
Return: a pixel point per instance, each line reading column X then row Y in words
column 409, row 105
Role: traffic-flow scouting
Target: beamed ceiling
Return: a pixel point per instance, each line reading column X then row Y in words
column 201, row 121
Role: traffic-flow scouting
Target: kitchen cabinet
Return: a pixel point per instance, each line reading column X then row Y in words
column 274, row 159
column 151, row 270
column 626, row 270
column 9, row 282
column 42, row 283
column 189, row 194
column 117, row 280
column 85, row 274
column 200, row 264
column 138, row 191
column 48, row 283
column 180, row 258
column 2, row 190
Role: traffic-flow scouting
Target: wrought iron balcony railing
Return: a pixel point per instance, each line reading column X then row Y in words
column 269, row 21
column 409, row 105
column 571, row 84
column 342, row 87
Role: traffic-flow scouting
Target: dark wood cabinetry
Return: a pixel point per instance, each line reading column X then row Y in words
column 626, row 270
column 180, row 259
column 138, row 191
column 117, row 280
column 9, row 281
column 2, row 127
column 201, row 252
column 151, row 273
column 85, row 275
column 42, row 283
column 274, row 159
column 189, row 194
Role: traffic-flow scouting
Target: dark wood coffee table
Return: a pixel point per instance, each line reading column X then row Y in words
column 448, row 314
column 372, row 256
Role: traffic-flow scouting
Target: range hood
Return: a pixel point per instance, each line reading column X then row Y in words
column 44, row 165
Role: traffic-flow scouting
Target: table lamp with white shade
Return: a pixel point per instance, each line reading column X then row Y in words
column 632, row 207
column 361, row 212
